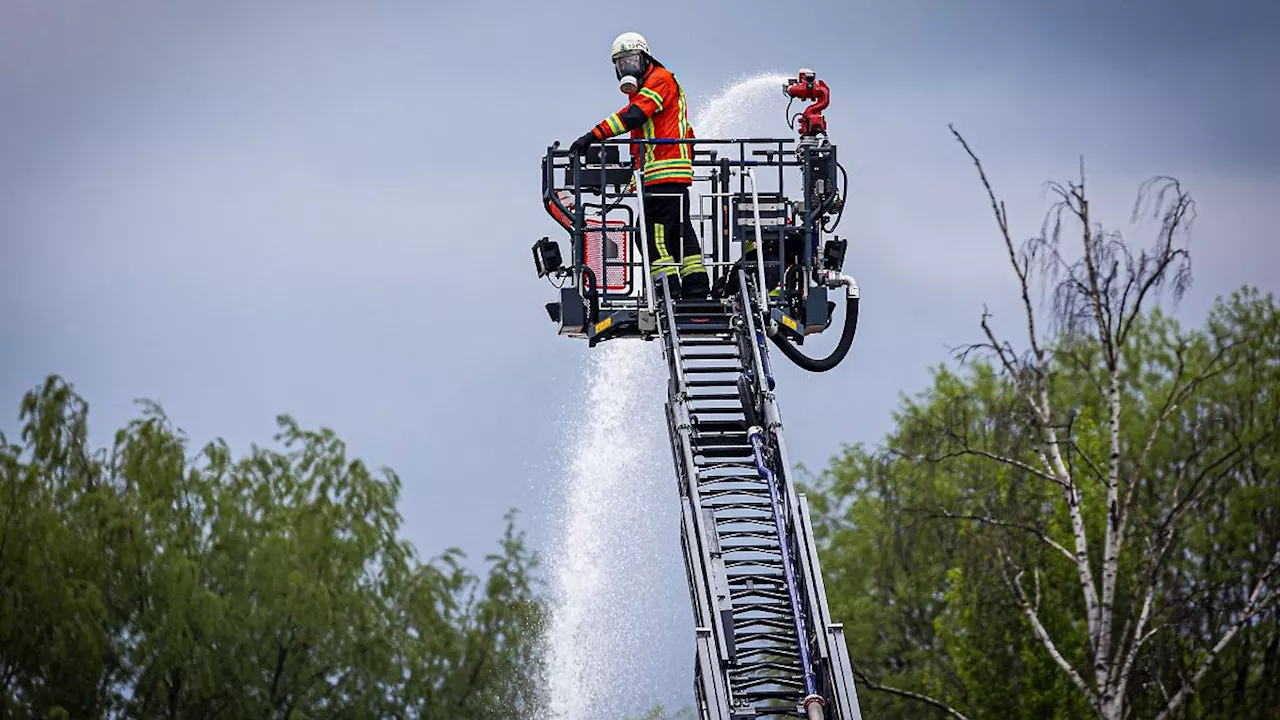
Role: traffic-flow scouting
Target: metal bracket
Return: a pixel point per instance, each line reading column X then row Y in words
column 647, row 321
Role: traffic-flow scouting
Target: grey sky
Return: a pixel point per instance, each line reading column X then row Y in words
column 325, row 209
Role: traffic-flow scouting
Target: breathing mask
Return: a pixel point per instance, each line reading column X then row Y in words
column 629, row 68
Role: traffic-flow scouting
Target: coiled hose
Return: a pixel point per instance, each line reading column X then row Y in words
column 846, row 337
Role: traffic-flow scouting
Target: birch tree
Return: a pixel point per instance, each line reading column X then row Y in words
column 1080, row 522
column 1101, row 289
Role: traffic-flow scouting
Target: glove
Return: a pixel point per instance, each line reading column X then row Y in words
column 581, row 144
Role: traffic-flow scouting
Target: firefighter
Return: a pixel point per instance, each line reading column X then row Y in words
column 658, row 110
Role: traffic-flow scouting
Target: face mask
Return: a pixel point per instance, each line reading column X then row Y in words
column 628, row 68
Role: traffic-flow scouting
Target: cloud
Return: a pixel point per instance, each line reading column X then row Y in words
column 326, row 209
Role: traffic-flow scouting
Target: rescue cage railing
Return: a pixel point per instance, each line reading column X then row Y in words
column 602, row 173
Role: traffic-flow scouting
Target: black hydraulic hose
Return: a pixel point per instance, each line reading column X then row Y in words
column 824, row 364
column 840, row 212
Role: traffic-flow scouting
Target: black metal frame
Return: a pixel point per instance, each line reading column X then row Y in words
column 597, row 183
column 766, row 645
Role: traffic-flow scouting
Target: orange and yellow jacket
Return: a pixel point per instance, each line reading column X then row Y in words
column 657, row 110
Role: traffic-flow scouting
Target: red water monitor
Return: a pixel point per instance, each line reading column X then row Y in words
column 806, row 86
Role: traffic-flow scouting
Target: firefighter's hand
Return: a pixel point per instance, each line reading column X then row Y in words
column 581, row 144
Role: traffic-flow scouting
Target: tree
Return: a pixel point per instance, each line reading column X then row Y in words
column 1086, row 525
column 659, row 712
column 141, row 580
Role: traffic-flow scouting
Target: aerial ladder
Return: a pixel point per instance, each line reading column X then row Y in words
column 766, row 645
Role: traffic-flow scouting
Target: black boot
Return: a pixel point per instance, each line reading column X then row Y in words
column 696, row 286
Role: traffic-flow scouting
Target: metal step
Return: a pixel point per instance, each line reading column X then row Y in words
column 731, row 354
column 726, row 450
column 721, row 437
column 714, row 369
column 691, row 305
column 695, row 382
column 717, row 396
column 708, row 340
column 699, row 413
column 721, row 427
column 727, row 470
column 702, row 327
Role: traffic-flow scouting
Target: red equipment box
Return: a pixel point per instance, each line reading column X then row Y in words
column 611, row 244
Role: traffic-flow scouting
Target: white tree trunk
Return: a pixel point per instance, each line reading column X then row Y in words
column 1111, row 549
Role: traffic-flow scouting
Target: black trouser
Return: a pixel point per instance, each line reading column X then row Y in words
column 674, row 250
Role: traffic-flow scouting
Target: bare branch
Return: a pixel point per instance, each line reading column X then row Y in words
column 943, row 513
column 972, row 452
column 1011, row 366
column 1195, row 491
column 1121, row 678
column 1074, row 200
column 1015, row 585
column 872, row 684
column 1002, row 219
column 1175, row 218
column 1086, row 370
column 1093, row 467
column 1258, row 601
column 1176, row 397
column 1158, row 552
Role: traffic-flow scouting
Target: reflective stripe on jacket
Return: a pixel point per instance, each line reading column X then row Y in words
column 657, row 110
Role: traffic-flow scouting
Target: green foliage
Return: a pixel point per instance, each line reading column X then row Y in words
column 911, row 549
column 145, row 580
column 658, row 712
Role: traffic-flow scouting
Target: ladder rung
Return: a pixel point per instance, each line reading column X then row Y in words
column 735, row 442
column 720, row 425
column 720, row 453
column 686, row 306
column 716, row 454
column 704, row 341
column 727, row 355
column 737, row 500
column 702, row 329
column 758, row 572
column 711, row 383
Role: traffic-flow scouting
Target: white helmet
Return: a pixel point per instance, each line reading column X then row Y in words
column 630, row 55
column 627, row 43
